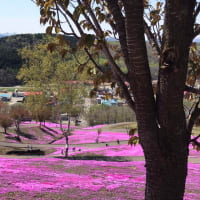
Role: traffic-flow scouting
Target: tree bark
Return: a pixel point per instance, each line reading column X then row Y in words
column 161, row 123
column 165, row 178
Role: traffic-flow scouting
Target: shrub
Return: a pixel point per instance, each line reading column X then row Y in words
column 18, row 113
column 103, row 114
column 5, row 121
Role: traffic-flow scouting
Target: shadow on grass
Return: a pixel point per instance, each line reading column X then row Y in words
column 36, row 152
column 59, row 138
column 27, row 135
column 50, row 129
column 98, row 158
column 47, row 132
column 15, row 138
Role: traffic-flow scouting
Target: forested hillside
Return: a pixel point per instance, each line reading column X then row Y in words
column 11, row 62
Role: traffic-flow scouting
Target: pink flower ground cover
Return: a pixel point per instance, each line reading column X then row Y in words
column 50, row 178
column 120, row 150
column 84, row 136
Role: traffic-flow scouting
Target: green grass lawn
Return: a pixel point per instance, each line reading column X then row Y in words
column 121, row 126
column 196, row 130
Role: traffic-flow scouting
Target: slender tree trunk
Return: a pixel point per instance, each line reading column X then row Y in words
column 5, row 131
column 68, row 125
column 67, row 145
column 67, row 133
column 17, row 127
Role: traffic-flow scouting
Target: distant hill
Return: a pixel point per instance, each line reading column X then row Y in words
column 10, row 61
column 6, row 34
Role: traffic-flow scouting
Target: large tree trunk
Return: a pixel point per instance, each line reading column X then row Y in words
column 166, row 171
column 165, row 178
column 161, row 123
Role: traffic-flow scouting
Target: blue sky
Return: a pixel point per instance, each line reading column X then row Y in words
column 20, row 16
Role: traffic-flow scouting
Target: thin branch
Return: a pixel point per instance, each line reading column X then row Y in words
column 125, row 91
column 196, row 12
column 196, row 31
column 93, row 61
column 115, row 10
column 195, row 114
column 195, row 138
column 158, row 32
column 72, row 18
column 113, row 64
column 87, row 18
column 190, row 110
column 152, row 40
column 77, row 60
column 192, row 90
column 67, row 20
column 99, row 31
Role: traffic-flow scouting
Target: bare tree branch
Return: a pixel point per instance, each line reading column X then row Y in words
column 87, row 18
column 195, row 114
column 152, row 40
column 93, row 61
column 67, row 20
column 94, row 19
column 115, row 10
column 195, row 138
column 196, row 12
column 196, row 31
column 192, row 90
column 125, row 91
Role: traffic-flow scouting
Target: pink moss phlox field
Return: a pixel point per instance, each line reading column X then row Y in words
column 55, row 176
column 84, row 136
column 124, row 150
column 11, row 137
column 120, row 150
column 41, row 175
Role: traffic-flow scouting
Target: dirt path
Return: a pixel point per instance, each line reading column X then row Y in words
column 88, row 145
